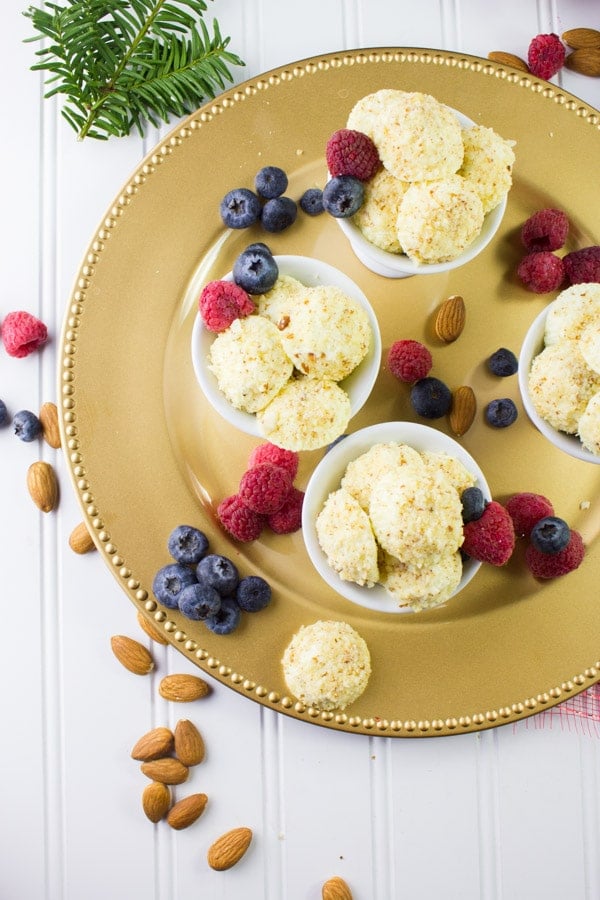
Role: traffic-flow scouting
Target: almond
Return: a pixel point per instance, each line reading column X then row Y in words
column 508, row 59
column 336, row 889
column 131, row 654
column 153, row 745
column 581, row 37
column 463, row 409
column 185, row 812
column 585, row 61
column 227, row 850
column 166, row 770
column 80, row 539
column 182, row 688
column 156, row 800
column 151, row 630
column 189, row 745
column 48, row 417
column 450, row 319
column 42, row 485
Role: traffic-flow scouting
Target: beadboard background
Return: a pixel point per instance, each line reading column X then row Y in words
column 507, row 814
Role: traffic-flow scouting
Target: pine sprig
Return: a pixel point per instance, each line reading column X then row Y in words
column 122, row 64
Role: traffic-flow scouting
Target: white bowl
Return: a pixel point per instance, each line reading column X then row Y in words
column 327, row 476
column 399, row 265
column 311, row 272
column 533, row 344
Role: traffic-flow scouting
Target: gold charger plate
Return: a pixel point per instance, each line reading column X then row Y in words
column 147, row 453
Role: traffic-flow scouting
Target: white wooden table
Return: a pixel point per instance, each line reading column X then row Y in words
column 511, row 813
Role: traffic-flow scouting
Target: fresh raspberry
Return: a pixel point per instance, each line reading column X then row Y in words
column 22, row 333
column 277, row 456
column 409, row 360
column 352, row 153
column 525, row 509
column 221, row 302
column 546, row 229
column 546, row 55
column 491, row 537
column 241, row 522
column 583, row 266
column 541, row 272
column 551, row 565
column 264, row 488
column 289, row 517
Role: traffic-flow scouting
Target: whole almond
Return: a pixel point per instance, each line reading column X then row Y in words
column 182, row 688
column 585, row 61
column 463, row 409
column 153, row 745
column 48, row 417
column 80, row 539
column 185, row 812
column 131, row 654
column 151, row 630
column 167, row 770
column 336, row 889
column 508, row 59
column 228, row 849
column 189, row 745
column 42, row 485
column 581, row 37
column 156, row 800
column 450, row 319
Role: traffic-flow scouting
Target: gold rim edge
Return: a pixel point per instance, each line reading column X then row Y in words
column 68, row 422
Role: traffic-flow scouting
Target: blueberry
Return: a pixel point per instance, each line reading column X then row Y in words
column 311, row 202
column 226, row 620
column 501, row 413
column 339, row 438
column 219, row 572
column 550, row 534
column 278, row 214
column 473, row 504
column 240, row 208
column 3, row 413
column 343, row 195
column 187, row 544
column 170, row 581
column 503, row 363
column 255, row 270
column 270, row 182
column 26, row 424
column 430, row 397
column 199, row 601
column 253, row 593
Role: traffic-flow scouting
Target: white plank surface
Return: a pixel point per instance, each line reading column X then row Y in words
column 509, row 814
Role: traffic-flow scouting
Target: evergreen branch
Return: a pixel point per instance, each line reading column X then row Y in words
column 120, row 64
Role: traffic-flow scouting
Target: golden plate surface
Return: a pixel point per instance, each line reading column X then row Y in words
column 146, row 452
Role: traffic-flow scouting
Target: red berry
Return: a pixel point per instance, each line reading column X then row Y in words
column 278, row 456
column 583, row 266
column 264, row 488
column 241, row 522
column 409, row 360
column 551, row 565
column 546, row 229
column 491, row 538
column 221, row 302
column 352, row 153
column 541, row 272
column 546, row 55
column 22, row 333
column 525, row 509
column 289, row 517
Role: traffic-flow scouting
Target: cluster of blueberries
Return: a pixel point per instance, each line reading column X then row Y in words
column 205, row 586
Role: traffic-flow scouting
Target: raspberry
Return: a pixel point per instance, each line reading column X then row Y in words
column 277, row 456
column 527, row 508
column 289, row 517
column 241, row 522
column 546, row 229
column 541, row 271
column 22, row 333
column 491, row 538
column 264, row 488
column 409, row 360
column 583, row 266
column 352, row 153
column 551, row 565
column 221, row 302
column 546, row 55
